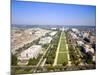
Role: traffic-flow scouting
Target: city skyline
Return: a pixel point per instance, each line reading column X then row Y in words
column 37, row 13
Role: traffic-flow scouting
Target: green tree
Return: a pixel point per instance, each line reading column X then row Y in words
column 13, row 60
column 64, row 63
column 32, row 62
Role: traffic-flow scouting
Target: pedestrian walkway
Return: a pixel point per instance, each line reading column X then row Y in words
column 55, row 60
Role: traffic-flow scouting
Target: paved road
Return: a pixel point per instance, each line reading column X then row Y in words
column 42, row 58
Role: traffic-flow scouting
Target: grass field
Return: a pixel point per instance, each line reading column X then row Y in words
column 62, row 43
column 62, row 56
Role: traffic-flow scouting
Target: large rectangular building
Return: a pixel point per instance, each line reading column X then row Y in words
column 45, row 40
column 32, row 52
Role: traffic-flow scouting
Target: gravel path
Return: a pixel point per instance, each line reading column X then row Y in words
column 55, row 60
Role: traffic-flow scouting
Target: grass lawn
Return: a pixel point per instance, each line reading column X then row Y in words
column 62, row 57
column 21, row 71
column 62, row 43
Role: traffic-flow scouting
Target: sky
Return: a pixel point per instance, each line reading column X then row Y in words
column 39, row 13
